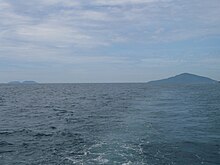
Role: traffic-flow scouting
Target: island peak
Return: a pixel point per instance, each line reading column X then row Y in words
column 185, row 78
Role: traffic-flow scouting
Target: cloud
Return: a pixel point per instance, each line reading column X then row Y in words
column 53, row 34
column 123, row 2
column 65, row 28
column 89, row 22
column 67, row 3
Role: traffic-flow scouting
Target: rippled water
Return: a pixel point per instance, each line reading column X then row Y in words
column 122, row 124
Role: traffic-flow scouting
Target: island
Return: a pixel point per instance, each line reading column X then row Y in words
column 24, row 82
column 184, row 78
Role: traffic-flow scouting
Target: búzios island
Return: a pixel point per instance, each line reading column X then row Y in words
column 109, row 82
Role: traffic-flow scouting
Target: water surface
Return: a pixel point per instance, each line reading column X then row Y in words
column 122, row 124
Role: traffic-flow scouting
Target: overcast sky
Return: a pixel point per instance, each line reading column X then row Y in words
column 108, row 40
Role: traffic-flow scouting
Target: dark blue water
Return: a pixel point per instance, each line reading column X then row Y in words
column 125, row 124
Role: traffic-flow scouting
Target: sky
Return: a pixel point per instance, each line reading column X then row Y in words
column 90, row 41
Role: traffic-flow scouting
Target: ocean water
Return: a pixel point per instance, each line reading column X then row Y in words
column 121, row 124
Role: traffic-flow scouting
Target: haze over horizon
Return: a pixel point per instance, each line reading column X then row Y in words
column 108, row 40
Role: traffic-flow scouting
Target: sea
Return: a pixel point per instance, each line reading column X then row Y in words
column 109, row 124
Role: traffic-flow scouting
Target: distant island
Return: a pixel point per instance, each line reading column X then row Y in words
column 24, row 82
column 184, row 78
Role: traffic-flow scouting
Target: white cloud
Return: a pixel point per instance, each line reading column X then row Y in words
column 51, row 33
column 124, row 2
column 79, row 25
column 95, row 24
column 68, row 3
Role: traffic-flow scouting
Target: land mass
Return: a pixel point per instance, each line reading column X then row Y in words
column 24, row 82
column 185, row 78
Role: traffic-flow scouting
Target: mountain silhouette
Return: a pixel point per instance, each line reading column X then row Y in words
column 185, row 78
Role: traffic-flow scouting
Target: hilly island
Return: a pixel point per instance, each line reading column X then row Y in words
column 184, row 78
